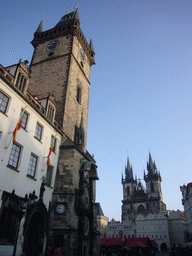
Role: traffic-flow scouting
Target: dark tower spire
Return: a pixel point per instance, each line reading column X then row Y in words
column 40, row 27
column 128, row 171
column 150, row 167
column 81, row 135
column 91, row 45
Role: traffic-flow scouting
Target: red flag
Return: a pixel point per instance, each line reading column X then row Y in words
column 51, row 148
column 17, row 128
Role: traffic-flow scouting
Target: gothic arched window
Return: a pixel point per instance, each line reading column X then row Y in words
column 128, row 191
column 152, row 187
column 141, row 209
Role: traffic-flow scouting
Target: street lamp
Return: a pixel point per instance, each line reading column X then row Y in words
column 32, row 198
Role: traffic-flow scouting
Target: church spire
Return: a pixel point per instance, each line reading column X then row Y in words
column 128, row 171
column 40, row 27
column 81, row 134
column 91, row 45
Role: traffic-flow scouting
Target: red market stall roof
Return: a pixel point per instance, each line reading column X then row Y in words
column 130, row 242
column 153, row 243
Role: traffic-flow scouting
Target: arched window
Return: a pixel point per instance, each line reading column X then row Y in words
column 152, row 187
column 141, row 209
column 78, row 94
column 128, row 191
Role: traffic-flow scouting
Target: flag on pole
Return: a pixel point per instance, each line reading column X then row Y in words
column 51, row 148
column 17, row 128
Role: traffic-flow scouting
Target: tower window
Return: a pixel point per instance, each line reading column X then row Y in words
column 152, row 187
column 76, row 135
column 128, row 191
column 79, row 95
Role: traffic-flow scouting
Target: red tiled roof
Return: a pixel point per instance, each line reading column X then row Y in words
column 130, row 242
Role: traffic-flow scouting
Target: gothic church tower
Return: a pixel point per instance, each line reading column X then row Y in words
column 61, row 67
column 137, row 199
column 153, row 186
column 129, row 187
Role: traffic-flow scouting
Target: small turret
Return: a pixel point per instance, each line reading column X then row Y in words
column 81, row 135
column 151, row 170
column 128, row 172
column 40, row 27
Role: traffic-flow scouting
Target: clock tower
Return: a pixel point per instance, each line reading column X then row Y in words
column 61, row 67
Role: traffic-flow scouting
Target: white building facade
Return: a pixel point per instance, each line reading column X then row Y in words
column 177, row 227
column 154, row 226
column 125, row 229
column 24, row 164
column 186, row 191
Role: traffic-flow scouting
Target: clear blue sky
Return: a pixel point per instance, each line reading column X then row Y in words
column 140, row 94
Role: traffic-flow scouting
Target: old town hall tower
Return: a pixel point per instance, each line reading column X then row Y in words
column 60, row 70
column 61, row 67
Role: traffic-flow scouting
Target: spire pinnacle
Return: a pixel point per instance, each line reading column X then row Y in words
column 40, row 27
column 81, row 134
column 91, row 45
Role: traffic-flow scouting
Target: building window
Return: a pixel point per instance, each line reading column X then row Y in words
column 21, row 82
column 24, row 121
column 48, row 175
column 128, row 191
column 38, row 131
column 14, row 156
column 32, row 165
column 3, row 102
column 53, row 139
column 76, row 135
column 152, row 187
column 78, row 94
column 50, row 112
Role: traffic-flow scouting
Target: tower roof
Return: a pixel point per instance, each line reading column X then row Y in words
column 81, row 125
column 91, row 45
column 68, row 17
column 151, row 170
column 40, row 27
column 128, row 172
column 99, row 210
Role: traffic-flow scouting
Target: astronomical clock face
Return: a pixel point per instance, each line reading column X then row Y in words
column 60, row 208
column 52, row 46
column 85, row 197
